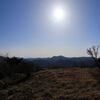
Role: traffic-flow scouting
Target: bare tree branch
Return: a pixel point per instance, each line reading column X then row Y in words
column 93, row 52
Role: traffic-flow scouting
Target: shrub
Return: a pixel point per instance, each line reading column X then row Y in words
column 93, row 52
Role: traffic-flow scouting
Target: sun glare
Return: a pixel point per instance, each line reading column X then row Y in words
column 58, row 14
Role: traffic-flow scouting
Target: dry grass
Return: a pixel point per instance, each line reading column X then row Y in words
column 57, row 84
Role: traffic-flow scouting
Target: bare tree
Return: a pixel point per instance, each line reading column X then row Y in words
column 93, row 52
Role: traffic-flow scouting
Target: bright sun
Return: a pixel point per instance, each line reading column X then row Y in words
column 59, row 14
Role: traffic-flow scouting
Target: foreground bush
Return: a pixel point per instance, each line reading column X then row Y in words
column 14, row 70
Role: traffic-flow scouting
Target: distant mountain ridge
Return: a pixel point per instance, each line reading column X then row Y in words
column 61, row 61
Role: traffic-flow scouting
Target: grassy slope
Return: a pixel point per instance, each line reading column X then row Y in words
column 58, row 84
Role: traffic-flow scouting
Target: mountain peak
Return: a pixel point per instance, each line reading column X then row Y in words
column 58, row 57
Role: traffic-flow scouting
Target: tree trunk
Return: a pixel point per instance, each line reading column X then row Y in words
column 96, row 61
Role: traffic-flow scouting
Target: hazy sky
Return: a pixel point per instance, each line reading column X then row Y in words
column 28, row 27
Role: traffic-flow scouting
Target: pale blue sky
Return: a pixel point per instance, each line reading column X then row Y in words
column 28, row 29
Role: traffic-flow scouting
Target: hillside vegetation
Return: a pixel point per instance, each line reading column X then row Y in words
column 57, row 84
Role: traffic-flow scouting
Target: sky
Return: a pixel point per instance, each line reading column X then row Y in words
column 29, row 29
